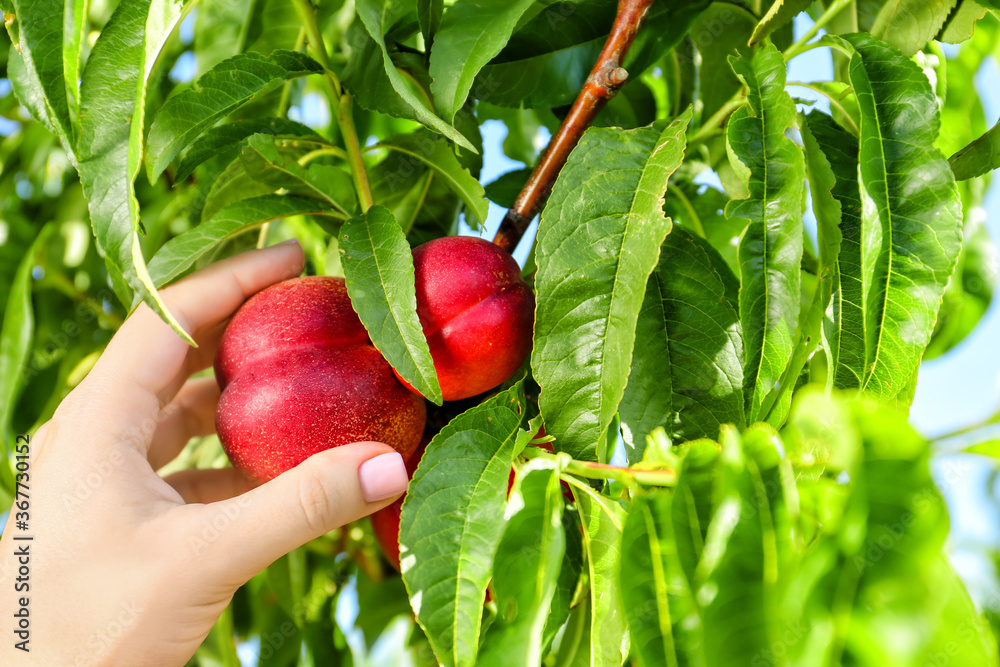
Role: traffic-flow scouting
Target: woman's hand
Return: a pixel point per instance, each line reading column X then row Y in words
column 126, row 567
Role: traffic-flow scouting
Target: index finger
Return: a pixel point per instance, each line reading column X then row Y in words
column 146, row 359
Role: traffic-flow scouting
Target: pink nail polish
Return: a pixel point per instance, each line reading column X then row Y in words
column 288, row 242
column 383, row 477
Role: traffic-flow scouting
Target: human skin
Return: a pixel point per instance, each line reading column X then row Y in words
column 127, row 567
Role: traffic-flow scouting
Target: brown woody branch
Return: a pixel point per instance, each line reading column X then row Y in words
column 604, row 81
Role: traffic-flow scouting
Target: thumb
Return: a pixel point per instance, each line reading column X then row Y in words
column 326, row 491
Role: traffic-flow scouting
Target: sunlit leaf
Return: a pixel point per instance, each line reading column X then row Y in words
column 598, row 241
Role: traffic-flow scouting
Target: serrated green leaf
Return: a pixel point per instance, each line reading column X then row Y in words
column 452, row 522
column 217, row 93
column 909, row 24
column 770, row 250
column 28, row 89
column 598, row 241
column 15, row 344
column 331, row 185
column 39, row 51
column 378, row 266
column 225, row 137
column 979, row 157
column 970, row 291
column 181, row 252
column 780, row 13
column 436, row 154
column 377, row 15
column 962, row 22
column 687, row 375
column 528, row 563
column 603, row 521
column 913, row 212
column 112, row 102
column 471, row 33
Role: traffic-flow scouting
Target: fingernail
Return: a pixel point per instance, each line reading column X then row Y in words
column 383, row 477
column 288, row 242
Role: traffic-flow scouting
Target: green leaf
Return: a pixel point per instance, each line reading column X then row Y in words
column 720, row 32
column 746, row 549
column 452, row 522
column 527, row 568
column 693, row 505
column 687, row 375
column 505, row 189
column 429, row 14
column 223, row 29
column 182, row 252
column 225, row 137
column 598, row 241
column 217, row 93
column 770, row 250
column 832, row 159
column 902, row 579
column 548, row 59
column 780, row 13
column 472, row 32
column 569, row 576
column 979, row 157
column 912, row 209
column 439, row 156
column 112, row 100
column 28, row 89
column 603, row 521
column 375, row 15
column 650, row 574
column 265, row 163
column 230, row 186
column 962, row 22
column 15, row 344
column 40, row 53
column 970, row 291
column 990, row 448
column 378, row 266
column 910, row 24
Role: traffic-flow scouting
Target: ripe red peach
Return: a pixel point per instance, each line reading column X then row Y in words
column 476, row 311
column 299, row 375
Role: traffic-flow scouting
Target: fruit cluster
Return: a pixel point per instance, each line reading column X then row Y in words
column 299, row 373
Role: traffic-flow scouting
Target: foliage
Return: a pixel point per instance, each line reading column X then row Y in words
column 725, row 387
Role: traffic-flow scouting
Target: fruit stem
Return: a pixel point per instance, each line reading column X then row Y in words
column 340, row 103
column 605, row 79
column 592, row 470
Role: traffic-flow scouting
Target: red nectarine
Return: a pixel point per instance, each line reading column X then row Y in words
column 476, row 312
column 299, row 375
